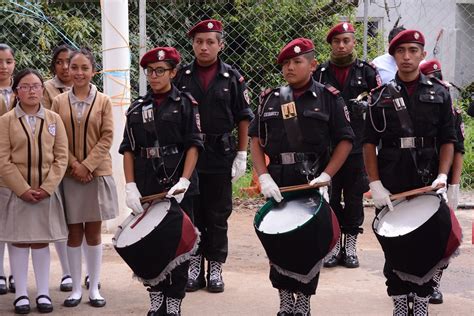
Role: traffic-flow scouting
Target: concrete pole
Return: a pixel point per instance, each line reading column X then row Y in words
column 143, row 37
column 116, row 73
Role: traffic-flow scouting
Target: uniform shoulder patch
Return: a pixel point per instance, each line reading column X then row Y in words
column 191, row 98
column 445, row 84
column 241, row 79
column 333, row 90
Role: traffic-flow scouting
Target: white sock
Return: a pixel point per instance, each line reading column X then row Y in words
column 61, row 250
column 74, row 255
column 94, row 261
column 84, row 252
column 41, row 261
column 19, row 267
column 2, row 256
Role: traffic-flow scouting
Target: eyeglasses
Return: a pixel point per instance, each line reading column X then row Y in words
column 27, row 88
column 159, row 72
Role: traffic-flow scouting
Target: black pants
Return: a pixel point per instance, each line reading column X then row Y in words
column 175, row 283
column 283, row 282
column 351, row 182
column 212, row 209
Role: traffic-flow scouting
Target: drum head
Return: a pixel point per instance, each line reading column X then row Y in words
column 155, row 214
column 296, row 209
column 407, row 215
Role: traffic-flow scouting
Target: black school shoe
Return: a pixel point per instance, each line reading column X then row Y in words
column 100, row 302
column 22, row 309
column 66, row 287
column 11, row 284
column 436, row 297
column 44, row 308
column 3, row 287
column 72, row 302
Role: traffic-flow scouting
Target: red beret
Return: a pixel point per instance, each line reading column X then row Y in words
column 430, row 66
column 407, row 36
column 340, row 28
column 160, row 54
column 206, row 26
column 295, row 48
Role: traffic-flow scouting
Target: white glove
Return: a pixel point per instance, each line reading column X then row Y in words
column 323, row 177
column 441, row 179
column 453, row 196
column 239, row 165
column 133, row 197
column 269, row 187
column 380, row 195
column 183, row 184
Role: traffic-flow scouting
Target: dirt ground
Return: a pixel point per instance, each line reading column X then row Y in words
column 248, row 291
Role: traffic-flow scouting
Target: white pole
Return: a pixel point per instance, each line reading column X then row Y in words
column 116, row 73
column 143, row 37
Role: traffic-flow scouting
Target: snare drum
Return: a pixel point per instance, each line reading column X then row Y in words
column 297, row 233
column 155, row 242
column 420, row 235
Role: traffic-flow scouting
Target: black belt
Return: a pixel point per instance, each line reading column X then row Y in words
column 157, row 152
column 292, row 158
column 410, row 142
column 214, row 138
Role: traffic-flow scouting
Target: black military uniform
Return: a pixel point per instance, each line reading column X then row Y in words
column 409, row 162
column 322, row 119
column 351, row 180
column 159, row 146
column 221, row 107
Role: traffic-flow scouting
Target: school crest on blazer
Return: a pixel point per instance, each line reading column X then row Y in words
column 52, row 129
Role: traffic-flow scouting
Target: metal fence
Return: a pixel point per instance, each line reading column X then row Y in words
column 255, row 30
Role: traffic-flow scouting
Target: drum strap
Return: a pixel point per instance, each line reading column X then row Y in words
column 407, row 127
column 290, row 118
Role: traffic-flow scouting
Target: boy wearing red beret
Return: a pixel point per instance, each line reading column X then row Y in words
column 299, row 149
column 223, row 101
column 353, row 77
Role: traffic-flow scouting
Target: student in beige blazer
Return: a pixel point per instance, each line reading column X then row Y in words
column 33, row 160
column 61, row 82
column 90, row 194
column 7, row 99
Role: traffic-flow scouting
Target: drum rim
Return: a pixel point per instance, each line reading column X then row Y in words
column 271, row 202
column 385, row 210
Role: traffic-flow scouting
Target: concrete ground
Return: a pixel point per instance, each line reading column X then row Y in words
column 248, row 291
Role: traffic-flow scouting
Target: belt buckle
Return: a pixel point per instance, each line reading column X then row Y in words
column 153, row 152
column 407, row 142
column 287, row 158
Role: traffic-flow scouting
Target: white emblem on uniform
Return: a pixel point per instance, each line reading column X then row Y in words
column 416, row 35
column 346, row 113
column 198, row 122
column 435, row 66
column 226, row 74
column 187, row 72
column 297, row 49
column 462, row 129
column 246, row 96
column 52, row 129
column 210, row 25
column 345, row 26
column 161, row 54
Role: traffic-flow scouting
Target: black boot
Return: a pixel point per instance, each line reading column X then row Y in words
column 400, row 305
column 215, row 283
column 302, row 305
column 420, row 306
column 287, row 303
column 196, row 278
column 334, row 257
column 173, row 306
column 157, row 304
column 437, row 297
column 350, row 258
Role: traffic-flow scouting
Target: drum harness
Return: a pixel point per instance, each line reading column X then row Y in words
column 156, row 153
column 308, row 162
column 410, row 141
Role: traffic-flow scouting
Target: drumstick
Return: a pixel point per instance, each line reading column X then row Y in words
column 159, row 196
column 422, row 190
column 303, row 187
